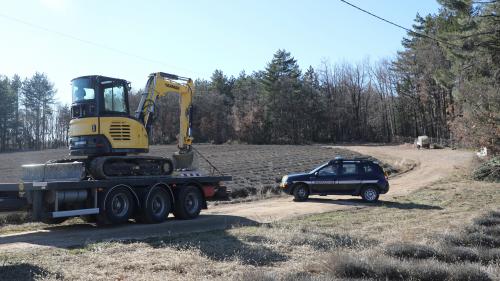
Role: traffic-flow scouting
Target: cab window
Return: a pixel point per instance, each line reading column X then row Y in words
column 349, row 169
column 114, row 98
column 330, row 170
column 82, row 89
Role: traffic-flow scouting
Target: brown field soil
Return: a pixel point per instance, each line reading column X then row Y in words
column 275, row 239
column 252, row 166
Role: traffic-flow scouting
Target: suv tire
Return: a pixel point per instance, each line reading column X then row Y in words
column 300, row 193
column 370, row 194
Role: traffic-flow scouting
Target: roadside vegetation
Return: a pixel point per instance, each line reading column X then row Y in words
column 447, row 231
column 488, row 170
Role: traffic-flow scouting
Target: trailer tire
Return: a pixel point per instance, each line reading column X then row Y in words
column 188, row 203
column 117, row 206
column 156, row 207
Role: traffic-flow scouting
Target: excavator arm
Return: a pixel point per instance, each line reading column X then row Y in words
column 161, row 84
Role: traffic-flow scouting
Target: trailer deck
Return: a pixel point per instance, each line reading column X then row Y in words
column 69, row 185
column 52, row 201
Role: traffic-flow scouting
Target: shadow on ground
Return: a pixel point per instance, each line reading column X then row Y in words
column 22, row 271
column 380, row 203
column 77, row 236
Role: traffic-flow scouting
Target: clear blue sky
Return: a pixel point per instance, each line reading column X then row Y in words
column 193, row 38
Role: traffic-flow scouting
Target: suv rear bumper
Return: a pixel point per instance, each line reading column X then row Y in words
column 384, row 188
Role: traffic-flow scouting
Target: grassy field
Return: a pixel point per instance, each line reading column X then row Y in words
column 447, row 231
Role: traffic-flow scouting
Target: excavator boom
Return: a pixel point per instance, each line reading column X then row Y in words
column 160, row 84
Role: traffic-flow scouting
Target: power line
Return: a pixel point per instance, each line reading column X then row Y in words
column 115, row 50
column 400, row 26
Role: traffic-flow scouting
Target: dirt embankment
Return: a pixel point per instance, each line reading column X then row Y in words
column 431, row 166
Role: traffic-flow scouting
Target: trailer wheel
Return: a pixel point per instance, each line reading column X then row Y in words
column 156, row 207
column 188, row 203
column 118, row 206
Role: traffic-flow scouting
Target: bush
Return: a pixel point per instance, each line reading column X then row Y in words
column 490, row 219
column 489, row 255
column 457, row 254
column 385, row 268
column 344, row 265
column 408, row 250
column 465, row 272
column 427, row 271
column 476, row 239
column 490, row 230
column 488, row 170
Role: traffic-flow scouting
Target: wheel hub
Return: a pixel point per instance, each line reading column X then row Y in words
column 119, row 205
column 370, row 194
column 302, row 192
column 191, row 203
column 158, row 205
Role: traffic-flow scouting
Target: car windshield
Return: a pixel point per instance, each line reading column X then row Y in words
column 317, row 168
column 82, row 89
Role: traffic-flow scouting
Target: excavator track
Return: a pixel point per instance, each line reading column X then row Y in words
column 114, row 167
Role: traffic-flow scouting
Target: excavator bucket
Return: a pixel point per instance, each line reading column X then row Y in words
column 73, row 171
column 185, row 160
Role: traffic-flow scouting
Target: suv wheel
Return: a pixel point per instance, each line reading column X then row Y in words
column 301, row 193
column 370, row 194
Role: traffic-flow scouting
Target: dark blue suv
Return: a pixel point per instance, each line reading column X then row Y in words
column 356, row 177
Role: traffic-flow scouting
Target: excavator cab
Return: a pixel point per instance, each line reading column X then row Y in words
column 95, row 96
column 101, row 123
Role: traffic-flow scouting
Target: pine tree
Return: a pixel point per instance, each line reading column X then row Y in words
column 38, row 98
column 282, row 85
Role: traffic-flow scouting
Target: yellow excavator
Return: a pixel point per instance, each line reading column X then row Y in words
column 103, row 130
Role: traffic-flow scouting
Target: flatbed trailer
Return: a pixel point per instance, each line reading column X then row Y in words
column 146, row 199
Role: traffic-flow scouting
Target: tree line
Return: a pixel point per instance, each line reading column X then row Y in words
column 30, row 118
column 444, row 84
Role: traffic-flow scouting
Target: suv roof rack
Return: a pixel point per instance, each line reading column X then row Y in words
column 357, row 158
column 362, row 158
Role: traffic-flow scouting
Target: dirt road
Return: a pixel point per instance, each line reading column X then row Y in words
column 431, row 166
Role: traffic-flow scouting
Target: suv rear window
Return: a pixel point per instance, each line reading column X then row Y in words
column 371, row 168
column 367, row 169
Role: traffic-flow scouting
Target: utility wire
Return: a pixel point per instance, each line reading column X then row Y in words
column 115, row 50
column 400, row 26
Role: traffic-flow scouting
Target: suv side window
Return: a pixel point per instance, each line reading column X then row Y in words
column 367, row 169
column 330, row 170
column 349, row 169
